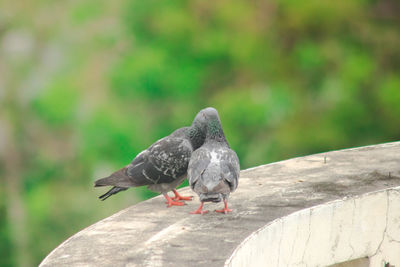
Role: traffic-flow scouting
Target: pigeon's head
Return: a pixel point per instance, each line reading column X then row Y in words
column 207, row 123
column 200, row 122
column 198, row 130
column 210, row 113
column 214, row 128
column 203, row 118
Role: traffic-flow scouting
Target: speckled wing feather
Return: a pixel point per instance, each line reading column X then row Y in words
column 163, row 162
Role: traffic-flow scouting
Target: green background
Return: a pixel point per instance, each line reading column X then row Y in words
column 86, row 85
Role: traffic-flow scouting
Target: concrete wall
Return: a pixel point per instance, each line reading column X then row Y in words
column 363, row 227
column 340, row 207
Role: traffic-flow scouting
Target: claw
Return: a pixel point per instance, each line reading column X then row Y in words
column 199, row 210
column 225, row 210
column 171, row 203
column 179, row 197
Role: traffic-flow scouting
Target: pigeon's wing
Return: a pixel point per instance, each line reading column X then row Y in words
column 163, row 162
column 198, row 163
column 230, row 168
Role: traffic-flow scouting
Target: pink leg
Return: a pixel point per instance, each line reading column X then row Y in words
column 199, row 210
column 170, row 202
column 225, row 210
column 179, row 197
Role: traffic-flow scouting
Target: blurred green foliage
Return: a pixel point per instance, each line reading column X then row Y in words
column 86, row 85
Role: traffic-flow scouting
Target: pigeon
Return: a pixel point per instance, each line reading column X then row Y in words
column 163, row 166
column 214, row 169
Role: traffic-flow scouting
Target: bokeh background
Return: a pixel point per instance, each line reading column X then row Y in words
column 87, row 84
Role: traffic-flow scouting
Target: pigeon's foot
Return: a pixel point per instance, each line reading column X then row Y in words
column 225, row 210
column 170, row 202
column 175, row 203
column 199, row 210
column 179, row 197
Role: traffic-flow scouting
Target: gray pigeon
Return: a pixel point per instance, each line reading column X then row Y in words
column 163, row 166
column 214, row 168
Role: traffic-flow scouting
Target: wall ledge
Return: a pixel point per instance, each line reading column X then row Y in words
column 149, row 234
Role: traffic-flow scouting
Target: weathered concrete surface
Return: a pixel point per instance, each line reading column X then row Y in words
column 365, row 227
column 148, row 234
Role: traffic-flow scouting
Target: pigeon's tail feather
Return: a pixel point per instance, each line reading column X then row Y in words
column 216, row 185
column 111, row 192
column 117, row 179
column 211, row 197
column 211, row 189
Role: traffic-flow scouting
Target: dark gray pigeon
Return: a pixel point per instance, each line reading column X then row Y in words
column 163, row 166
column 214, row 168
